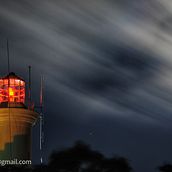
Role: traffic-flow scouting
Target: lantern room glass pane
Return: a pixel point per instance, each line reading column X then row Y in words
column 12, row 90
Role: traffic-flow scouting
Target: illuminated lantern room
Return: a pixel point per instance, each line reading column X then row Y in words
column 12, row 89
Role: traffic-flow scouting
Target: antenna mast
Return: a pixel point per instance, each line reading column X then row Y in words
column 8, row 55
column 29, row 89
column 41, row 118
column 9, row 114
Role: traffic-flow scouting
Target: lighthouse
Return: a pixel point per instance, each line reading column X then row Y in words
column 16, row 119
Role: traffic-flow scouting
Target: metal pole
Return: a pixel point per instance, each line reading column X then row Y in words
column 8, row 56
column 41, row 118
column 29, row 89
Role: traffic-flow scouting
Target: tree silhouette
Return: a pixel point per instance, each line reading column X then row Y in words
column 81, row 158
column 166, row 168
column 74, row 159
column 116, row 164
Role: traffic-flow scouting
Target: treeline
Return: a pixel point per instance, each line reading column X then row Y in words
column 81, row 158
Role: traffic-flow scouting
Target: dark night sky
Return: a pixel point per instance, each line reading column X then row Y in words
column 107, row 66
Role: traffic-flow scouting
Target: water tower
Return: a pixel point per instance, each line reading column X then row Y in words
column 16, row 119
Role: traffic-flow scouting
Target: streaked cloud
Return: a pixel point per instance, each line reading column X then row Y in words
column 105, row 52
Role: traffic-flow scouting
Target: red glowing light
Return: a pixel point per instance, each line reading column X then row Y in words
column 11, row 92
column 12, row 89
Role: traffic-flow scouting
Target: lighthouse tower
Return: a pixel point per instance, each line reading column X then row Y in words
column 16, row 120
